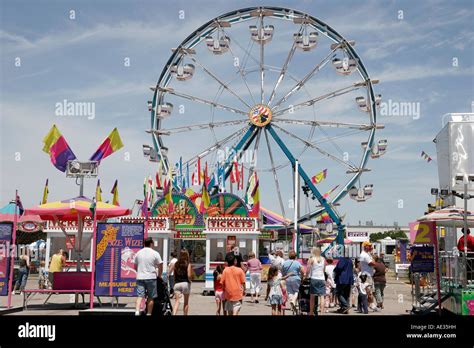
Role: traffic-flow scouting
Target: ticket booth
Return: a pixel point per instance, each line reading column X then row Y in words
column 222, row 235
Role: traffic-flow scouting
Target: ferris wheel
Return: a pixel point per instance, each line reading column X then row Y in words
column 274, row 90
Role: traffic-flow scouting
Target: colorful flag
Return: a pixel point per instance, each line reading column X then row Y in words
column 145, row 207
column 326, row 195
column 58, row 149
column 115, row 198
column 199, row 171
column 256, row 196
column 111, row 144
column 319, row 176
column 92, row 208
column 98, row 192
column 159, row 175
column 168, row 191
column 205, row 199
column 426, row 157
column 45, row 193
column 145, row 190
column 241, row 186
column 250, row 189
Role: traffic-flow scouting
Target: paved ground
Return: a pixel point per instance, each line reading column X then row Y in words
column 397, row 301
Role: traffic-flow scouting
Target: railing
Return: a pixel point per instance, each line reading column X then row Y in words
column 456, row 269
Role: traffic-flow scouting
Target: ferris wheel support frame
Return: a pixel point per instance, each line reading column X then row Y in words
column 301, row 172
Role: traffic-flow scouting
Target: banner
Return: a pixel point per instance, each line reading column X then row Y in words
column 6, row 231
column 422, row 259
column 422, row 232
column 116, row 246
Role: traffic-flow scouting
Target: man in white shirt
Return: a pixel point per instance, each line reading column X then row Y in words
column 149, row 266
column 366, row 265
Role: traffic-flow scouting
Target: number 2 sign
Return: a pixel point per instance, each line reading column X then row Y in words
column 423, row 232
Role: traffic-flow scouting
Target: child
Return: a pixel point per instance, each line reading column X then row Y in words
column 363, row 287
column 274, row 290
column 218, row 289
column 43, row 276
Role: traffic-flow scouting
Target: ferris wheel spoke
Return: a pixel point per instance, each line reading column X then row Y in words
column 351, row 167
column 306, row 78
column 284, row 68
column 262, row 58
column 200, row 126
column 203, row 101
column 216, row 146
column 313, row 101
column 275, row 176
column 241, row 72
column 223, row 84
column 358, row 126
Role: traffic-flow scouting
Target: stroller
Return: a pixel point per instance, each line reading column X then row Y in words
column 303, row 298
column 162, row 304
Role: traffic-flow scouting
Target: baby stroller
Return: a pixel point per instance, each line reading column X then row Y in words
column 162, row 304
column 303, row 298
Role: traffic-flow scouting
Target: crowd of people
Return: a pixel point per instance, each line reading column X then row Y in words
column 345, row 284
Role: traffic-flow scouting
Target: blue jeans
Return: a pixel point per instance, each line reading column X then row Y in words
column 343, row 292
column 22, row 278
column 363, row 304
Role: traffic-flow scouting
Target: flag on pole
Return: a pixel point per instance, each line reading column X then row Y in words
column 56, row 146
column 145, row 182
column 111, row 144
column 168, row 191
column 115, row 198
column 326, row 195
column 145, row 207
column 159, row 175
column 45, row 193
column 92, row 208
column 250, row 189
column 319, row 176
column 256, row 196
column 205, row 199
column 158, row 181
column 426, row 157
column 199, row 170
column 241, row 186
column 98, row 192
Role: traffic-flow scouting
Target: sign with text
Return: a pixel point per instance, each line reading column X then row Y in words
column 6, row 231
column 116, row 246
column 422, row 259
column 423, row 232
column 231, row 224
column 358, row 236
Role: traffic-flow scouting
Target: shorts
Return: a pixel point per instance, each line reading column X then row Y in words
column 275, row 300
column 51, row 279
column 255, row 281
column 219, row 295
column 146, row 288
column 318, row 287
column 182, row 288
column 293, row 285
column 232, row 306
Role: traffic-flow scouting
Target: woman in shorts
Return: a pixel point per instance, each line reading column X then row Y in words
column 183, row 273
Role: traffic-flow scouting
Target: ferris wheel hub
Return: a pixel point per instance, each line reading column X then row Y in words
column 260, row 115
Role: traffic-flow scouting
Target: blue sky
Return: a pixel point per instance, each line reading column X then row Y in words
column 82, row 60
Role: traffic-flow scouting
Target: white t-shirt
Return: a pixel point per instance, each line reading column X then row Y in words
column 147, row 260
column 317, row 268
column 330, row 273
column 365, row 259
column 363, row 288
column 172, row 262
column 276, row 261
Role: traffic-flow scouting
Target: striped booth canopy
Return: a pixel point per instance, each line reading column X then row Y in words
column 75, row 208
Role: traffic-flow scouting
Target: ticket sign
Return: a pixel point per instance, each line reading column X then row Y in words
column 224, row 223
column 423, row 232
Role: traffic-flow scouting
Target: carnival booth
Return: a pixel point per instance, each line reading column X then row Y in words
column 186, row 230
column 455, row 274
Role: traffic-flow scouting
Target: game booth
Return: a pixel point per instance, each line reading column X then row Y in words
column 436, row 235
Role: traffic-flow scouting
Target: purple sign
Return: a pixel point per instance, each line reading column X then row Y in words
column 116, row 246
column 6, row 231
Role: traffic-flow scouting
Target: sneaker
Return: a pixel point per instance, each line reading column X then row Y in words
column 256, row 301
column 137, row 313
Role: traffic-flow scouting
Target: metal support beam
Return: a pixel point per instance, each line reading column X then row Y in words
column 236, row 151
column 340, row 236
